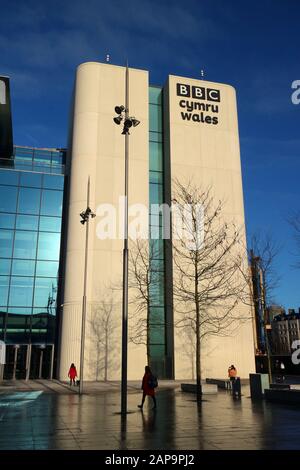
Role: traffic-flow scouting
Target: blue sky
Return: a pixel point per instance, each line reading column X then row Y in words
column 252, row 45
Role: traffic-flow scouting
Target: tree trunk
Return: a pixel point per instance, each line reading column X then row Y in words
column 148, row 335
column 106, row 357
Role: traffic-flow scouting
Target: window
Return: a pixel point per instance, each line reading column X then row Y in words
column 155, row 118
column 9, row 177
column 47, row 268
column 53, row 182
column 7, row 220
column 4, row 283
column 50, row 224
column 21, row 290
column 51, row 203
column 48, row 247
column 157, row 334
column 156, row 156
column 23, row 267
column 25, row 245
column 156, row 193
column 155, row 95
column 6, row 243
column 33, row 180
column 8, row 198
column 4, row 267
column 27, row 222
column 29, row 201
column 45, row 292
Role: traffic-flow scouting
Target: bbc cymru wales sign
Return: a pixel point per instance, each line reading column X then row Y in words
column 199, row 104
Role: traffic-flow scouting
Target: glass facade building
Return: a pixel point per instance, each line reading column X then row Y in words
column 31, row 202
column 157, row 314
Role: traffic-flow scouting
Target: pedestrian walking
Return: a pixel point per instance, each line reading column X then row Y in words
column 72, row 374
column 149, row 384
column 232, row 373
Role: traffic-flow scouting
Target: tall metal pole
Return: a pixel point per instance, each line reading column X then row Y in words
column 83, row 319
column 125, row 263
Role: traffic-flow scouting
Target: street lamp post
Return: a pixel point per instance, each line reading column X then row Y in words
column 85, row 217
column 128, row 122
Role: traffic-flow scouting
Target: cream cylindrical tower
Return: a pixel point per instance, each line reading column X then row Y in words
column 98, row 152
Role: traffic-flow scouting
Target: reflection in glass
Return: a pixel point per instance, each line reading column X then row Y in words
column 45, row 291
column 18, row 326
column 22, row 267
column 157, row 334
column 7, row 220
column 9, row 177
column 25, row 245
column 157, row 315
column 53, row 182
column 29, row 201
column 21, row 291
column 50, row 224
column 27, row 222
column 156, row 177
column 47, row 268
column 4, row 283
column 157, row 350
column 8, row 198
column 33, row 180
column 20, row 310
column 51, row 202
column 155, row 95
column 48, row 247
column 5, row 267
column 156, row 193
column 155, row 118
column 156, row 156
column 6, row 243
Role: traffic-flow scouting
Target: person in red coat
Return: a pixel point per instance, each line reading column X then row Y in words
column 147, row 390
column 72, row 374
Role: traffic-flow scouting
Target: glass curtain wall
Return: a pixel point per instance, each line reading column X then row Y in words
column 31, row 199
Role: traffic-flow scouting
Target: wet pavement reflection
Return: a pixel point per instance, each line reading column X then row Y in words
column 36, row 420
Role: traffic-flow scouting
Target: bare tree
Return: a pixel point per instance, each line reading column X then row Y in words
column 207, row 259
column 144, row 278
column 265, row 250
column 102, row 324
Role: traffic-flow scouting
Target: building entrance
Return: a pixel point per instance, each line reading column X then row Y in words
column 29, row 361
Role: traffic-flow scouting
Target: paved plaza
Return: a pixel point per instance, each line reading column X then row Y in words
column 50, row 415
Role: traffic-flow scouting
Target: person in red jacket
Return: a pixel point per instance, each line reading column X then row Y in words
column 72, row 374
column 147, row 389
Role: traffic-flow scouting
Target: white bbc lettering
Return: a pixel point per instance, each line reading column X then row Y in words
column 183, row 90
column 213, row 95
column 198, row 92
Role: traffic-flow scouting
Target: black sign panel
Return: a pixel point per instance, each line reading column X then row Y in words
column 198, row 92
column 6, row 136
